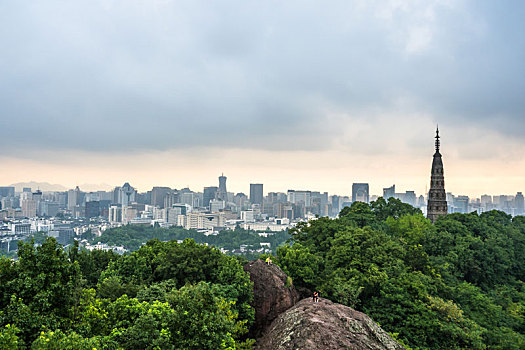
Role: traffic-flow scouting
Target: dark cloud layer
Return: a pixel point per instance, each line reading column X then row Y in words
column 142, row 75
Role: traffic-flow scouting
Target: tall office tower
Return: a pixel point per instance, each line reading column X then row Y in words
column 126, row 195
column 519, row 203
column 321, row 199
column 209, row 194
column 92, row 209
column 304, row 197
column 410, row 198
column 37, row 196
column 158, row 194
column 73, row 198
column 421, row 201
column 8, row 191
column 256, row 193
column 360, row 192
column 437, row 198
column 277, row 197
column 389, row 192
column 222, row 194
column 187, row 196
column 115, row 214
column 241, row 201
column 336, row 204
column 461, row 204
column 29, row 207
column 171, row 198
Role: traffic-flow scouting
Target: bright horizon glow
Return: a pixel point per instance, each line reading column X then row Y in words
column 334, row 172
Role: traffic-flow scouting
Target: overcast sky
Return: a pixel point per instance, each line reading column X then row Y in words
column 293, row 94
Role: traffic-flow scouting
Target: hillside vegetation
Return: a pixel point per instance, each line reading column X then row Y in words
column 163, row 296
column 455, row 284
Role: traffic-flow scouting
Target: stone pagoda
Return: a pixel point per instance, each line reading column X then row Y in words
column 437, row 197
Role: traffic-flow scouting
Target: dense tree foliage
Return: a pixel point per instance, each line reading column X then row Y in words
column 455, row 284
column 163, row 296
column 132, row 237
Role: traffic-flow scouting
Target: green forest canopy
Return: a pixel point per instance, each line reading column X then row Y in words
column 163, row 296
column 455, row 284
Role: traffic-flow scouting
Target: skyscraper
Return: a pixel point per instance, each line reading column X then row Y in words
column 519, row 203
column 360, row 192
column 7, row 191
column 222, row 194
column 209, row 193
column 73, row 198
column 256, row 193
column 158, row 194
column 389, row 192
column 437, row 199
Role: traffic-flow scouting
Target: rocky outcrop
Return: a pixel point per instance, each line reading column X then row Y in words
column 273, row 293
column 324, row 325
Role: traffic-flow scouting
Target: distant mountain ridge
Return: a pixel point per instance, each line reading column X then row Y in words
column 48, row 187
column 42, row 186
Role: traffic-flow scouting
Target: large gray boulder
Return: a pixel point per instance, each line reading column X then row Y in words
column 324, row 325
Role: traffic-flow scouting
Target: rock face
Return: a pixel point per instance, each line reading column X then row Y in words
column 324, row 325
column 273, row 293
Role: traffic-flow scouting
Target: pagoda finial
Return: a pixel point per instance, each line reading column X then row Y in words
column 437, row 138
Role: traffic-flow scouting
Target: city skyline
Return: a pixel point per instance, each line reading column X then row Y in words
column 48, row 187
column 306, row 96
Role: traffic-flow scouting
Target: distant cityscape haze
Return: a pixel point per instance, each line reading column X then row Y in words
column 313, row 171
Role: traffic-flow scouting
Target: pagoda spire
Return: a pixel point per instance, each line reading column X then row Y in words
column 437, row 139
column 437, row 197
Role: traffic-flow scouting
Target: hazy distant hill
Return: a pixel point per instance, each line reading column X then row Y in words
column 42, row 186
column 47, row 187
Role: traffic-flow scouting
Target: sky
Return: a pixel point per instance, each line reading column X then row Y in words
column 292, row 94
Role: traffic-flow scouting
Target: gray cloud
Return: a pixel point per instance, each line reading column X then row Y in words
column 139, row 75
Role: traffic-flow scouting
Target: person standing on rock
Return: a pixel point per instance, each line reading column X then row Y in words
column 315, row 297
column 268, row 261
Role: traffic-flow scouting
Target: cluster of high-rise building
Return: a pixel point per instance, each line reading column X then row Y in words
column 216, row 205
column 216, row 208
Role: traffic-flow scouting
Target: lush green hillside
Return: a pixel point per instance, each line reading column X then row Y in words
column 455, row 284
column 163, row 296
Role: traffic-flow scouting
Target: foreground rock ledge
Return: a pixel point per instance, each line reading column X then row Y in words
column 324, row 325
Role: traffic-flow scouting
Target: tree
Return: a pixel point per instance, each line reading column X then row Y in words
column 204, row 321
column 9, row 339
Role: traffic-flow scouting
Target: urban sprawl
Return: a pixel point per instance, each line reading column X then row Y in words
column 65, row 215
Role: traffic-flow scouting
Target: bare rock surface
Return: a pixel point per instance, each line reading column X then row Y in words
column 273, row 293
column 324, row 325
